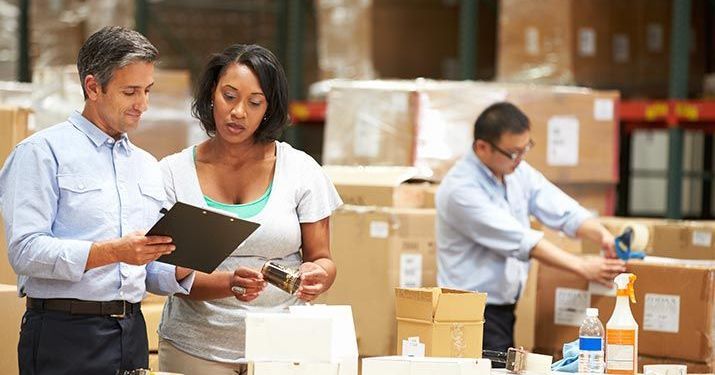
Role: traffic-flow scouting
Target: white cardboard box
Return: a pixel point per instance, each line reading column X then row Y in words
column 293, row 368
column 397, row 365
column 310, row 334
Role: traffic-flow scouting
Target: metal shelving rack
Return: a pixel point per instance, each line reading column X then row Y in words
column 675, row 116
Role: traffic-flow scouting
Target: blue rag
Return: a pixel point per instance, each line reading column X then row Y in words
column 570, row 361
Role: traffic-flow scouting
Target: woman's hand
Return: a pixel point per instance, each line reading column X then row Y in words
column 313, row 281
column 247, row 284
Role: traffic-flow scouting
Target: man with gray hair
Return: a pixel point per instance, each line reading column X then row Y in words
column 76, row 199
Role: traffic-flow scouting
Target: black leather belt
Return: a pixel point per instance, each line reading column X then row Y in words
column 115, row 309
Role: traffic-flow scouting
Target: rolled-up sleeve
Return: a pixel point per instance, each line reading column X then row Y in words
column 28, row 198
column 474, row 215
column 554, row 208
column 161, row 280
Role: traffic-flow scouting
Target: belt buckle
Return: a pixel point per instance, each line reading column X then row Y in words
column 124, row 311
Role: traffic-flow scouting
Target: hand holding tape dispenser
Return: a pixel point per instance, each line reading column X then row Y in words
column 203, row 238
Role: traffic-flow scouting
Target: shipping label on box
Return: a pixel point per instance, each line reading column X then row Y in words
column 661, row 313
column 570, row 306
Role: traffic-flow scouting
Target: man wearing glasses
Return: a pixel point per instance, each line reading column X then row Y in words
column 484, row 241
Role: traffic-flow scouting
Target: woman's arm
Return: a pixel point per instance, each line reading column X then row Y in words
column 318, row 270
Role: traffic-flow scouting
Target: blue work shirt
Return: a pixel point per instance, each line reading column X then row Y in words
column 483, row 234
column 71, row 185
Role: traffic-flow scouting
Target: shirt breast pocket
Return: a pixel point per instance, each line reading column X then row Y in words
column 153, row 197
column 81, row 197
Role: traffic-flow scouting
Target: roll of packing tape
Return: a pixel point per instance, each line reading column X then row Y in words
column 665, row 369
column 641, row 235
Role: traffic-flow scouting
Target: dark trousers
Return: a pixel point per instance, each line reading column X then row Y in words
column 54, row 343
column 499, row 328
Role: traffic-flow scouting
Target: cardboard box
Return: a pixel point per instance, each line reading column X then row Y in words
column 375, row 250
column 676, row 319
column 558, row 238
column 600, row 199
column 449, row 322
column 357, row 39
column 310, row 334
column 344, row 39
column 399, row 365
column 13, row 308
column 14, row 127
column 430, row 125
column 379, row 186
column 526, row 311
column 684, row 240
column 604, row 44
column 554, row 42
column 152, row 316
column 293, row 368
column 622, row 40
column 653, row 44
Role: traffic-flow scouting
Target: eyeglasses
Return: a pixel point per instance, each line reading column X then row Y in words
column 517, row 154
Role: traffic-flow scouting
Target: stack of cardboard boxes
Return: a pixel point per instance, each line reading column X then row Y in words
column 429, row 125
column 381, row 239
column 611, row 44
column 14, row 127
column 676, row 318
column 360, row 39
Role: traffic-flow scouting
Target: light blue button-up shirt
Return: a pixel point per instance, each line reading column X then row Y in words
column 71, row 185
column 483, row 232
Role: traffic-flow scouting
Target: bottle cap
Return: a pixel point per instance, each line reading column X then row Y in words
column 592, row 312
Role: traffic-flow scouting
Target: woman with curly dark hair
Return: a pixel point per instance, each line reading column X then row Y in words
column 242, row 169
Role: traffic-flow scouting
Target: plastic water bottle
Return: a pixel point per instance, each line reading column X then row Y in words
column 590, row 344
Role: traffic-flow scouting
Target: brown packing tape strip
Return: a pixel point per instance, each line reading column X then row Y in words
column 410, row 320
column 459, row 344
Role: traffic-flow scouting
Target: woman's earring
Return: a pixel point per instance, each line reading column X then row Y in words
column 212, row 104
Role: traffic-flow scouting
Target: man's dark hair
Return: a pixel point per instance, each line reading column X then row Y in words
column 500, row 118
column 109, row 49
column 270, row 75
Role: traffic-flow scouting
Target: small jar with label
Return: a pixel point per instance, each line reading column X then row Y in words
column 281, row 277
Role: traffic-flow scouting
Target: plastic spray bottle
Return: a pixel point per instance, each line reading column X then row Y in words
column 622, row 330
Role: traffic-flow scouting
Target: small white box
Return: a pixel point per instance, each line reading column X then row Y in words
column 306, row 334
column 293, row 368
column 397, row 365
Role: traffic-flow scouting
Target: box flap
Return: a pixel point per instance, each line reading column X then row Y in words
column 369, row 175
column 460, row 305
column 416, row 303
column 440, row 304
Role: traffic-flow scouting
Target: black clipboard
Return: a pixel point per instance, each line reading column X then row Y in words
column 203, row 238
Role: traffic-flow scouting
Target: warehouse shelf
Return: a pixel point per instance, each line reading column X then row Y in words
column 674, row 116
column 650, row 114
column 307, row 112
